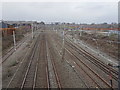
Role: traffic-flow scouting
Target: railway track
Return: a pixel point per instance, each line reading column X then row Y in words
column 11, row 51
column 94, row 60
column 26, row 57
column 102, row 79
column 97, row 75
column 37, row 63
column 92, row 78
column 52, row 58
column 36, row 73
column 28, row 80
column 77, row 73
column 42, row 76
column 76, row 70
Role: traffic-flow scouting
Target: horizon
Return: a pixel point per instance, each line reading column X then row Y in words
column 56, row 22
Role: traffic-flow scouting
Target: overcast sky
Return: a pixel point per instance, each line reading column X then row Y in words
column 78, row 12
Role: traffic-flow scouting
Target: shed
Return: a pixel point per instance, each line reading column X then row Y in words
column 3, row 25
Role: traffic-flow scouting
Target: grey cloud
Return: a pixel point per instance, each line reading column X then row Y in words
column 70, row 12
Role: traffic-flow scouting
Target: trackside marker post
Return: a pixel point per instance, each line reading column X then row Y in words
column 118, row 66
column 63, row 46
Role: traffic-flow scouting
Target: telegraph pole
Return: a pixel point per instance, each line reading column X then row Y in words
column 80, row 33
column 14, row 40
column 36, row 26
column 63, row 47
column 32, row 30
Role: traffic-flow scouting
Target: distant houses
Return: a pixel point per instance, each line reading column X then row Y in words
column 7, row 27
